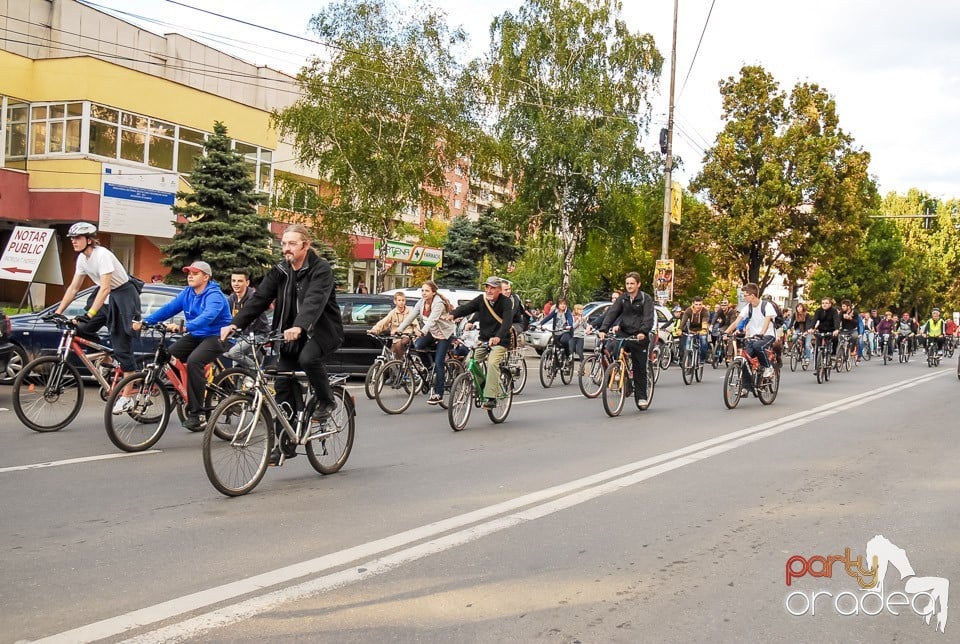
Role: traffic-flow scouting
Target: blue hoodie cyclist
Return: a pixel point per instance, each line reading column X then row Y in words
column 206, row 310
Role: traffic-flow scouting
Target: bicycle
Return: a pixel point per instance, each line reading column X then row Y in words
column 933, row 353
column 467, row 392
column 763, row 387
column 235, row 465
column 398, row 381
column 590, row 374
column 949, row 346
column 821, row 357
column 48, row 392
column 691, row 365
column 798, row 353
column 845, row 346
column 618, row 381
column 886, row 347
column 717, row 351
column 904, row 350
column 516, row 363
column 554, row 360
column 161, row 383
column 386, row 355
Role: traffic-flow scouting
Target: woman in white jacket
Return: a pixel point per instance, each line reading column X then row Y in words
column 435, row 333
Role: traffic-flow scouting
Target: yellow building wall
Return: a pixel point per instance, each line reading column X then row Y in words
column 84, row 78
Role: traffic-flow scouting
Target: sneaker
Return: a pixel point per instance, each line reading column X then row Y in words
column 490, row 403
column 247, row 384
column 434, row 399
column 123, row 405
column 323, row 413
column 642, row 402
column 768, row 372
column 193, row 423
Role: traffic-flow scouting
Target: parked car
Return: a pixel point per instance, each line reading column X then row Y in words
column 32, row 337
column 359, row 312
column 11, row 355
column 537, row 337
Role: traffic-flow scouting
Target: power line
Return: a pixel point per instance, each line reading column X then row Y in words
column 697, row 51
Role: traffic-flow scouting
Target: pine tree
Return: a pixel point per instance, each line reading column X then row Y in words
column 460, row 259
column 495, row 240
column 222, row 226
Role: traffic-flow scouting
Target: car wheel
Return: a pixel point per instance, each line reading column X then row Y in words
column 18, row 358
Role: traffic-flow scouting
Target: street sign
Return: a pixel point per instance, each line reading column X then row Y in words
column 137, row 201
column 411, row 254
column 29, row 256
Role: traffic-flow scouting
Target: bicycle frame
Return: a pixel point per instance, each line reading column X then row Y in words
column 69, row 341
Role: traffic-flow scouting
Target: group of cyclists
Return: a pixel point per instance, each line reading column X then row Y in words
column 301, row 288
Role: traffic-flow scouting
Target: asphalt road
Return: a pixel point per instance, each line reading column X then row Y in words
column 670, row 525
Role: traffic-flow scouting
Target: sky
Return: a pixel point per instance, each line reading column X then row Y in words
column 893, row 67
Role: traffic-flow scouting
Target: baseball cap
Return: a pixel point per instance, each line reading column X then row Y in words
column 493, row 280
column 198, row 267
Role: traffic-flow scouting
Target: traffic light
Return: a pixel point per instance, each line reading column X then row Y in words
column 664, row 140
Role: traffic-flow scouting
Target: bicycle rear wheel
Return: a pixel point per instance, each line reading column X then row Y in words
column 47, row 394
column 548, row 367
column 520, row 376
column 590, row 376
column 504, row 402
column 768, row 390
column 395, row 386
column 236, row 466
column 613, row 392
column 140, row 428
column 460, row 401
column 328, row 454
column 733, row 385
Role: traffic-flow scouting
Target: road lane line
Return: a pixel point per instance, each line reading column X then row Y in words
column 495, row 518
column 72, row 461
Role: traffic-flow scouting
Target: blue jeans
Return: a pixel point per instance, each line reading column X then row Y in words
column 704, row 347
column 428, row 342
column 755, row 349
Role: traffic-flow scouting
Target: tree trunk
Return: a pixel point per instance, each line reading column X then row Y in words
column 382, row 260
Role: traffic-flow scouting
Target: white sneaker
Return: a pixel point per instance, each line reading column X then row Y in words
column 768, row 372
column 123, row 404
column 247, row 383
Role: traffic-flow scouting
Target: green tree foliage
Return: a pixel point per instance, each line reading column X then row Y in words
column 382, row 118
column 460, row 268
column 496, row 243
column 786, row 183
column 571, row 87
column 222, row 226
column 537, row 274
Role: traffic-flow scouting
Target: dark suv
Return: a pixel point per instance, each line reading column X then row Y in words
column 359, row 312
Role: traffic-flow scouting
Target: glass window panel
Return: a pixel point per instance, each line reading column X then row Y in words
column 75, row 109
column 17, row 140
column 17, row 113
column 103, row 139
column 39, row 112
column 245, row 149
column 72, row 143
column 161, row 152
column 186, row 153
column 38, row 138
column 134, row 121
column 132, row 145
column 103, row 113
column 160, row 128
column 57, row 111
column 266, row 157
column 193, row 136
column 56, row 137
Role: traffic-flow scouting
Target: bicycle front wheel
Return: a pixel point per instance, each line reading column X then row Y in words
column 226, row 383
column 548, row 367
column 371, row 378
column 47, row 394
column 733, row 385
column 143, row 425
column 235, row 466
column 794, row 360
column 768, row 390
column 590, row 376
column 686, row 367
column 460, row 401
column 328, row 454
column 614, row 392
column 394, row 387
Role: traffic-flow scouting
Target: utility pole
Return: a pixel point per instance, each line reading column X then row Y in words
column 668, row 165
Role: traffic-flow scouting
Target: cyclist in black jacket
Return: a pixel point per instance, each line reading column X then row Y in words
column 827, row 320
column 634, row 310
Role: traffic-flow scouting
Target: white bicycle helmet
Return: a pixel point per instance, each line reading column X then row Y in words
column 82, row 229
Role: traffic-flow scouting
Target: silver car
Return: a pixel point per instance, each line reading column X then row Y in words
column 538, row 337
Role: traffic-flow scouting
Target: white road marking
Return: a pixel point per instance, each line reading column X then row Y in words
column 73, row 461
column 487, row 521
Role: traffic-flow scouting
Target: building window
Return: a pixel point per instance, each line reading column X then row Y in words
column 103, row 131
column 189, row 147
column 160, row 144
column 258, row 162
column 17, row 127
column 456, row 204
column 55, row 128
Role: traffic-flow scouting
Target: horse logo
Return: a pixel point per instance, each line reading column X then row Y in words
column 935, row 589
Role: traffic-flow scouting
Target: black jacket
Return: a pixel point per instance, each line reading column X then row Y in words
column 307, row 296
column 260, row 323
column 489, row 327
column 829, row 320
column 635, row 317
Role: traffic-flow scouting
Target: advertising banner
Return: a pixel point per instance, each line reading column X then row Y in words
column 411, row 254
column 663, row 281
column 137, row 201
column 30, row 256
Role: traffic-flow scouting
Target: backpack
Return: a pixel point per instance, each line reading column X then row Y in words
column 777, row 317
